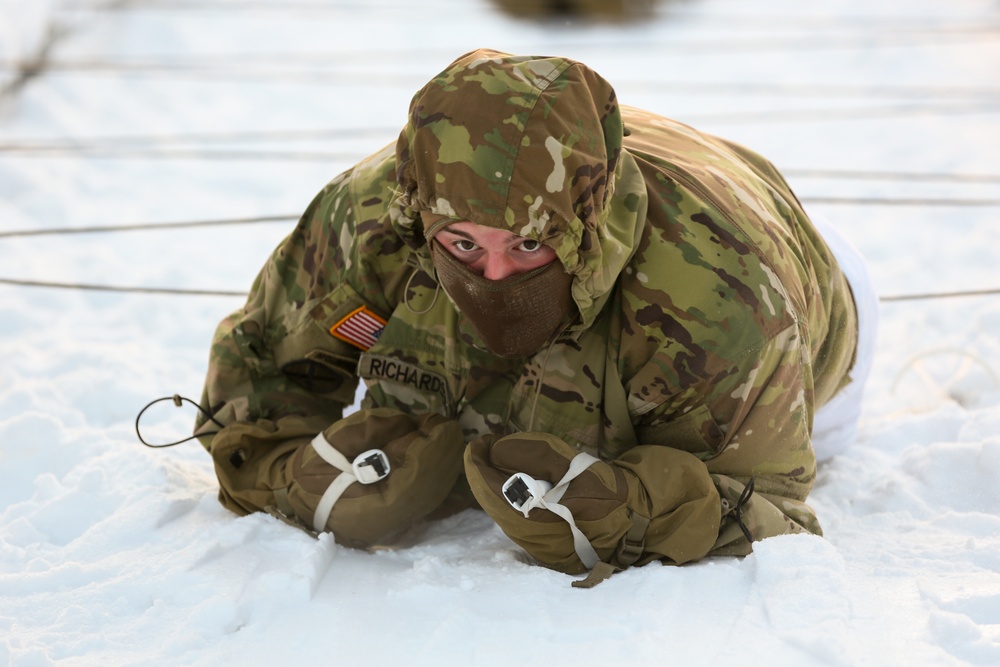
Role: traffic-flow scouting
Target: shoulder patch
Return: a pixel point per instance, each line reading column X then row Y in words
column 361, row 328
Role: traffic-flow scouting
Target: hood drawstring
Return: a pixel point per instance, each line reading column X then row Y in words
column 178, row 401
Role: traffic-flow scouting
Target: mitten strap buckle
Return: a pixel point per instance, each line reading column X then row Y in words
column 367, row 468
column 525, row 493
column 371, row 466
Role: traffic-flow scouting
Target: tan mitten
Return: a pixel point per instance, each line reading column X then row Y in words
column 567, row 510
column 573, row 512
column 375, row 473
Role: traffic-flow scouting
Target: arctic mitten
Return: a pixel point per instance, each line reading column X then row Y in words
column 375, row 473
column 571, row 511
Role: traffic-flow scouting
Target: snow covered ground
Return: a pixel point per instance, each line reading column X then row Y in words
column 180, row 110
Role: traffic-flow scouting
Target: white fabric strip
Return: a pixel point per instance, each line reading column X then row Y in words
column 584, row 549
column 330, row 498
column 329, row 454
column 580, row 462
column 337, row 487
column 550, row 501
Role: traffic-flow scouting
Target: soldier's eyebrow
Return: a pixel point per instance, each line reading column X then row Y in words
column 512, row 239
column 456, row 232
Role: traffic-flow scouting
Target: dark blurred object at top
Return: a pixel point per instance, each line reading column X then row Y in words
column 591, row 10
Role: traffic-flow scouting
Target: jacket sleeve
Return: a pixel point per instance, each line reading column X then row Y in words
column 278, row 373
column 264, row 362
column 750, row 421
column 275, row 378
column 283, row 368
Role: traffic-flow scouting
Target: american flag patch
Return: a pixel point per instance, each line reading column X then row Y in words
column 361, row 328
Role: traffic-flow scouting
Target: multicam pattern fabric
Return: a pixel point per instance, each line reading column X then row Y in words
column 711, row 316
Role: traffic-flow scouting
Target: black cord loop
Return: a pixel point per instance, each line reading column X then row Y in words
column 178, row 401
column 744, row 497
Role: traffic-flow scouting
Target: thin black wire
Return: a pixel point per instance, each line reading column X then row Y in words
column 46, row 145
column 885, row 201
column 812, row 89
column 302, row 67
column 250, row 136
column 99, row 153
column 849, row 201
column 268, row 73
column 197, row 292
column 251, row 61
column 283, row 6
column 732, row 21
column 147, row 226
column 251, row 6
column 132, row 148
column 939, row 295
column 839, row 113
column 116, row 288
column 888, row 175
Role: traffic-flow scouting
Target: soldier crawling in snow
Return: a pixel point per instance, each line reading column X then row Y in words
column 610, row 331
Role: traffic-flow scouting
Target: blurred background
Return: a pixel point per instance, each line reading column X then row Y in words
column 181, row 110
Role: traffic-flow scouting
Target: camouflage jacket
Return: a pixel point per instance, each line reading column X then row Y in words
column 712, row 317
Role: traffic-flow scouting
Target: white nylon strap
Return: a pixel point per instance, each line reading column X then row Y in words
column 550, row 501
column 329, row 454
column 580, row 462
column 337, row 487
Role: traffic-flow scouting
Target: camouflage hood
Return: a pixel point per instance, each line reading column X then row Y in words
column 531, row 145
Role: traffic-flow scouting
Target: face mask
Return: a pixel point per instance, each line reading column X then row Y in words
column 515, row 316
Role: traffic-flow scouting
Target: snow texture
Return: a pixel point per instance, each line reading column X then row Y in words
column 182, row 110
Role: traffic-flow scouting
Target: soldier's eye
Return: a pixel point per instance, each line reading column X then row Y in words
column 464, row 245
column 530, row 245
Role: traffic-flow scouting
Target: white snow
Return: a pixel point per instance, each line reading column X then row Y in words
column 165, row 110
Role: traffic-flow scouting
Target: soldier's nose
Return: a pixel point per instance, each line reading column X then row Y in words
column 498, row 267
